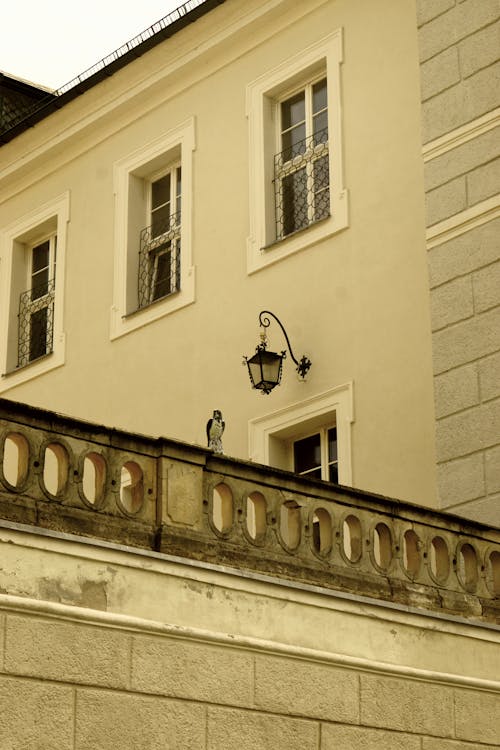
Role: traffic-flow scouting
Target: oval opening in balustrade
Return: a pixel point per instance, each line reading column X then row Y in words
column 290, row 523
column 15, row 459
column 222, row 508
column 94, row 477
column 467, row 568
column 256, row 515
column 131, row 487
column 322, row 531
column 351, row 538
column 411, row 552
column 494, row 573
column 55, row 468
column 439, row 559
column 382, row 546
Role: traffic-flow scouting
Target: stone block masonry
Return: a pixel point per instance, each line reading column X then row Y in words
column 459, row 49
column 135, row 691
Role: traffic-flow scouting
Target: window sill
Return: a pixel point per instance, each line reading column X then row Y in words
column 124, row 323
column 296, row 233
column 154, row 303
column 259, row 257
column 32, row 363
column 31, row 370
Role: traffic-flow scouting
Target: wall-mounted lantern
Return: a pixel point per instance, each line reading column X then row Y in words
column 265, row 368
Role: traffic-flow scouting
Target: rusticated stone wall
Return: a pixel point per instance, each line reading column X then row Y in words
column 77, row 680
column 459, row 51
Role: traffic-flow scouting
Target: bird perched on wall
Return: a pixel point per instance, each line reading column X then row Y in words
column 215, row 428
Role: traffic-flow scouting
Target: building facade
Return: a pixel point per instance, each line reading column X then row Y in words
column 187, row 219
column 330, row 162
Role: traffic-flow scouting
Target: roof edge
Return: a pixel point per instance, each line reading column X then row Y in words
column 165, row 28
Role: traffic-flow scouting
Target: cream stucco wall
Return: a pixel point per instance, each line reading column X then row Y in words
column 356, row 302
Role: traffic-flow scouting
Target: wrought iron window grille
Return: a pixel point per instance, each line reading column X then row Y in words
column 302, row 184
column 160, row 260
column 35, row 323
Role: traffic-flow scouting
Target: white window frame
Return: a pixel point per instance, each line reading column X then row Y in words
column 44, row 301
column 320, row 59
column 158, row 241
column 50, row 219
column 308, row 158
column 270, row 437
column 132, row 176
column 325, row 463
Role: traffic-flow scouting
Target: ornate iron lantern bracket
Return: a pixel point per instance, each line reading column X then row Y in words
column 265, row 367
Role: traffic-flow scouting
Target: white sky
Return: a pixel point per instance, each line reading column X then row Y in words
column 49, row 42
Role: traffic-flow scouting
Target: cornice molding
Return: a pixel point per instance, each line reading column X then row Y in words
column 461, row 135
column 128, row 623
column 463, row 222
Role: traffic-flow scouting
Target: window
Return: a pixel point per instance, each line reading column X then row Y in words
column 32, row 293
column 36, row 304
column 316, row 455
column 301, row 168
column 160, row 246
column 153, row 266
column 297, row 196
column 312, row 437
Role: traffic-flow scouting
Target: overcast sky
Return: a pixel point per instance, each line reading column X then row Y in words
column 50, row 42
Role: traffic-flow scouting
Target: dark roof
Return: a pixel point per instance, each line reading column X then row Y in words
column 22, row 104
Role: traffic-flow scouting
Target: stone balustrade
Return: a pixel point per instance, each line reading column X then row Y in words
column 75, row 477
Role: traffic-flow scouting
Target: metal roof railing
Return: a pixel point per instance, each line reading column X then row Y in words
column 167, row 26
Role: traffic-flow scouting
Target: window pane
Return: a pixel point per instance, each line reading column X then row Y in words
column 293, row 142
column 162, row 272
column 316, row 473
column 293, row 111
column 320, row 128
column 38, row 333
column 40, row 256
column 160, row 221
column 294, row 197
column 160, row 191
column 333, row 473
column 320, row 100
column 307, row 454
column 332, row 444
column 178, row 194
column 321, row 173
column 321, row 188
column 40, row 284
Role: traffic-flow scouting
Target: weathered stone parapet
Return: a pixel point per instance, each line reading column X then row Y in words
column 72, row 476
